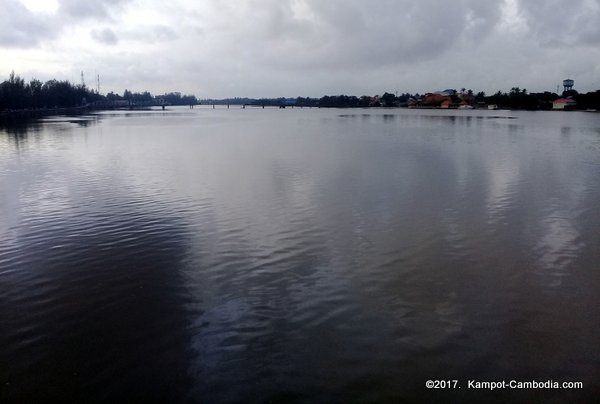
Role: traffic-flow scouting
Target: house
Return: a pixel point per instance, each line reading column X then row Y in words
column 564, row 103
column 447, row 103
column 435, row 100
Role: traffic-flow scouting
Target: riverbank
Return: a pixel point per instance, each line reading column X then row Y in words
column 26, row 114
column 18, row 114
column 10, row 116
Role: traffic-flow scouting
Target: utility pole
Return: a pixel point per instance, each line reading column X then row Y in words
column 82, row 80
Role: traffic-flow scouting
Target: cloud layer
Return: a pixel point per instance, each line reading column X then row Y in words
column 307, row 47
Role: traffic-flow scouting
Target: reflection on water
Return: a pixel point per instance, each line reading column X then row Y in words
column 298, row 255
column 85, row 289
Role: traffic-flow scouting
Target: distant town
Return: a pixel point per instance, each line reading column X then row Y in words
column 20, row 97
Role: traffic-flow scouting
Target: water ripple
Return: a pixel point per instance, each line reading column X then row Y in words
column 256, row 255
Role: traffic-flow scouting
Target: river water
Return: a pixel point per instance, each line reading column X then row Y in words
column 299, row 255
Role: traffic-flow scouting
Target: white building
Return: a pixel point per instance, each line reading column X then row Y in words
column 564, row 103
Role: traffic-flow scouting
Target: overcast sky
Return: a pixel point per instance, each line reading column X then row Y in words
column 264, row 48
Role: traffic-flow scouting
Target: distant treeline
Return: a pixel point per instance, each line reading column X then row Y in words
column 351, row 101
column 328, row 101
column 520, row 99
column 16, row 94
column 516, row 98
column 145, row 98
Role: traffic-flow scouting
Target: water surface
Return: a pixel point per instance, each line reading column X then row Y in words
column 298, row 255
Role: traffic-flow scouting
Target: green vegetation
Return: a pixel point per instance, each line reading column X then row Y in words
column 15, row 94
column 515, row 99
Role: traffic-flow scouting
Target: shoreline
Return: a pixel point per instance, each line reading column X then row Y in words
column 38, row 113
column 27, row 114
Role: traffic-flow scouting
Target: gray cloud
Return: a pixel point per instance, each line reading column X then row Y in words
column 558, row 23
column 333, row 34
column 164, row 33
column 97, row 9
column 152, row 34
column 314, row 47
column 105, row 36
column 21, row 28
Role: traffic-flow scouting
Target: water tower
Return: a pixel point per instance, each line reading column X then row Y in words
column 568, row 84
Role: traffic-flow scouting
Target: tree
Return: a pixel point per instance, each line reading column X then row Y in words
column 388, row 100
column 113, row 97
column 364, row 101
column 35, row 93
column 13, row 92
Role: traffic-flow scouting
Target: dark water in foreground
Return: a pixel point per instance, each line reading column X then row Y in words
column 299, row 255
